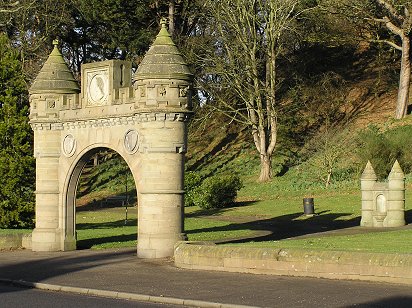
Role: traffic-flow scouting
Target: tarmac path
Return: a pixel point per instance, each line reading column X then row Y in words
column 11, row 297
column 120, row 270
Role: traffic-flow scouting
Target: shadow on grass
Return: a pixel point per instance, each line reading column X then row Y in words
column 106, row 225
column 217, row 212
column 88, row 243
column 408, row 216
column 276, row 228
column 287, row 226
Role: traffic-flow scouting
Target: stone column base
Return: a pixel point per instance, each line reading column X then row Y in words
column 46, row 240
column 153, row 246
column 395, row 223
column 69, row 243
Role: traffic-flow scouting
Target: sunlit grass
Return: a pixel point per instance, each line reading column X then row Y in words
column 106, row 228
column 388, row 242
column 15, row 231
column 266, row 210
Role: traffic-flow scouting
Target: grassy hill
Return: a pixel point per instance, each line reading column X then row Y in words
column 339, row 150
column 333, row 104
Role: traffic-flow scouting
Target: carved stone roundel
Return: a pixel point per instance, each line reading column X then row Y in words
column 130, row 141
column 69, row 145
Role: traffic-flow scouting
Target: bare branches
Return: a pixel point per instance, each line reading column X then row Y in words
column 10, row 7
column 248, row 38
column 390, row 9
column 390, row 43
column 390, row 25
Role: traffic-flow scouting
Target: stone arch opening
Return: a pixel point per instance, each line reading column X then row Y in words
column 70, row 205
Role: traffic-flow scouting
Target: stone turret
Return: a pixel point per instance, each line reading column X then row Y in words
column 163, row 77
column 383, row 204
column 162, row 86
column 55, row 76
column 53, row 90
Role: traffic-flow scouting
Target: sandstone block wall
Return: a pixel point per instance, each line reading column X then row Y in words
column 394, row 268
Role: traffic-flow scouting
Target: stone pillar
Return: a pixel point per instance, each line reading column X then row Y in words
column 368, row 180
column 162, row 90
column 396, row 200
column 47, row 235
column 160, row 187
column 50, row 93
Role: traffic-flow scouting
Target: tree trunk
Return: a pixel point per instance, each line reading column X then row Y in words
column 404, row 80
column 171, row 17
column 265, row 168
column 329, row 177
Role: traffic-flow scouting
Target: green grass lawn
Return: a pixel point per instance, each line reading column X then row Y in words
column 389, row 242
column 261, row 220
column 263, row 217
column 14, row 231
column 106, row 228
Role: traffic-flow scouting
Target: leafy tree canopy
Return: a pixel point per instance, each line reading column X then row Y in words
column 16, row 161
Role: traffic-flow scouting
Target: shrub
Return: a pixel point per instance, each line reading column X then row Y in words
column 383, row 148
column 217, row 192
column 192, row 183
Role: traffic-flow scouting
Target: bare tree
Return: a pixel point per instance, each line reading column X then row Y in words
column 31, row 25
column 327, row 150
column 240, row 71
column 395, row 16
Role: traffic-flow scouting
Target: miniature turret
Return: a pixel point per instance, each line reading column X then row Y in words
column 383, row 204
column 396, row 184
column 368, row 181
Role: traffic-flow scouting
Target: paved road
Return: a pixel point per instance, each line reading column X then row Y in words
column 11, row 297
column 121, row 270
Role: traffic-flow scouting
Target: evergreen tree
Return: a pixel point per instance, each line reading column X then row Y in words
column 16, row 161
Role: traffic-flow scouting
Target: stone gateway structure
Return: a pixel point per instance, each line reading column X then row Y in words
column 143, row 118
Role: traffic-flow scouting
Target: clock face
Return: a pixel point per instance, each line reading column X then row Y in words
column 98, row 87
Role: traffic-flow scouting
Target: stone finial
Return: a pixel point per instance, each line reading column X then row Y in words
column 396, row 172
column 55, row 76
column 369, row 173
column 163, row 22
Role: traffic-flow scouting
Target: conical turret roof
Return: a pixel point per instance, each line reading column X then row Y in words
column 163, row 60
column 369, row 173
column 396, row 171
column 55, row 76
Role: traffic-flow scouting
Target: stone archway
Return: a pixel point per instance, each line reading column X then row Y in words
column 143, row 118
column 71, row 187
